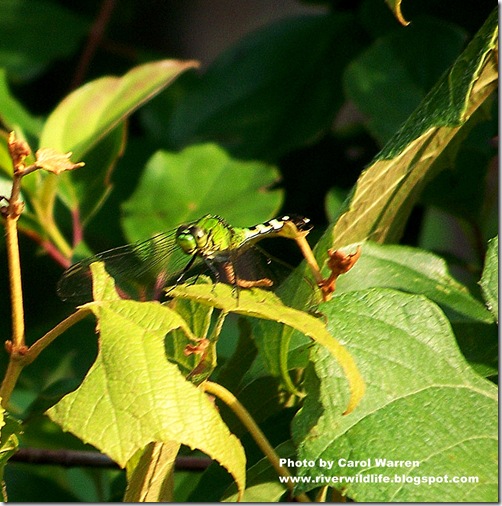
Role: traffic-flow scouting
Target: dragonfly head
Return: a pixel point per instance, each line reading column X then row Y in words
column 191, row 238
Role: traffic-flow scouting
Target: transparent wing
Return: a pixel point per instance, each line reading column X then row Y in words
column 257, row 265
column 140, row 270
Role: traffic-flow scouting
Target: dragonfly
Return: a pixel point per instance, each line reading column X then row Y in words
column 209, row 245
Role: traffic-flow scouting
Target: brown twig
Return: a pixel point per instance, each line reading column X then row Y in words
column 74, row 458
column 51, row 161
column 96, row 34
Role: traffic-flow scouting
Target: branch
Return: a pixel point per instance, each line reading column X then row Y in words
column 95, row 37
column 74, row 458
column 51, row 161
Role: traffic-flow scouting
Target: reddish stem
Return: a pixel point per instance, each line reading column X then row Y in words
column 49, row 248
column 95, row 37
column 77, row 227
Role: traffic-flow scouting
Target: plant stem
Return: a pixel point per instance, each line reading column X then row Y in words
column 36, row 348
column 19, row 354
column 247, row 420
column 21, row 357
column 16, row 290
column 12, row 373
column 52, row 230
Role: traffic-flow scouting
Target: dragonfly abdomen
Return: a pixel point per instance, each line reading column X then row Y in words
column 274, row 228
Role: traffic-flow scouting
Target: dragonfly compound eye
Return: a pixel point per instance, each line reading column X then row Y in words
column 191, row 239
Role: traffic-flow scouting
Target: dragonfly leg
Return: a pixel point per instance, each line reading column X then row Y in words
column 179, row 279
column 234, row 280
column 188, row 266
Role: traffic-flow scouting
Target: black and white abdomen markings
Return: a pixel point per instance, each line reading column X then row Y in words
column 276, row 224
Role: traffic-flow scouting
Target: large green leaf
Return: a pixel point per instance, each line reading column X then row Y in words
column 387, row 190
column 13, row 115
column 106, row 101
column 35, row 33
column 133, row 395
column 403, row 66
column 423, row 403
column 276, row 89
column 415, row 271
column 490, row 278
column 180, row 187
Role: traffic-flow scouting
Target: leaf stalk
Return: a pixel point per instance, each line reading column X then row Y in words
column 247, row 420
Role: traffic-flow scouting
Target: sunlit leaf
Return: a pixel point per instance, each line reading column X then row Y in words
column 415, row 271
column 423, row 403
column 265, row 305
column 133, row 395
column 106, row 101
column 489, row 280
column 387, row 190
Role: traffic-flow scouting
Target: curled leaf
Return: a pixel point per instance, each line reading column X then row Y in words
column 53, row 161
column 395, row 6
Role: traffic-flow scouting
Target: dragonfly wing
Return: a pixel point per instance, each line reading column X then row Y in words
column 255, row 267
column 259, row 269
column 140, row 270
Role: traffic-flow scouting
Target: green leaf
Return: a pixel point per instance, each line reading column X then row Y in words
column 489, row 279
column 262, row 483
column 13, row 115
column 464, row 188
column 133, row 395
column 387, row 190
column 10, row 429
column 395, row 6
column 423, row 403
column 106, row 101
column 415, row 271
column 403, row 66
column 151, row 478
column 277, row 89
column 181, row 187
column 265, row 305
column 35, row 34
column 84, row 190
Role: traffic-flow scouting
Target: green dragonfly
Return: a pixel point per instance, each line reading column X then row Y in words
column 143, row 270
